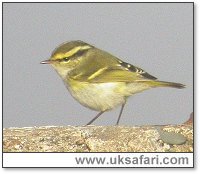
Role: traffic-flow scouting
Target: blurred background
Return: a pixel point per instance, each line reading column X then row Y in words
column 158, row 37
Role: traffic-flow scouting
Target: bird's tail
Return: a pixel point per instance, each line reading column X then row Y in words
column 155, row 83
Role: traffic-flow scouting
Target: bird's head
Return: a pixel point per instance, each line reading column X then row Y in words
column 67, row 56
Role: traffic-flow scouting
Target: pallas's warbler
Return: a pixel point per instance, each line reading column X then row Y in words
column 99, row 80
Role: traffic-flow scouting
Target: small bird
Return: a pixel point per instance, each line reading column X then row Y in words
column 97, row 79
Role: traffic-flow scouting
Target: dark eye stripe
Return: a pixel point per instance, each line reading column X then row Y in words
column 80, row 52
column 77, row 54
column 66, row 59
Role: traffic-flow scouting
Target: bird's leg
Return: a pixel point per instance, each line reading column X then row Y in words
column 120, row 114
column 95, row 117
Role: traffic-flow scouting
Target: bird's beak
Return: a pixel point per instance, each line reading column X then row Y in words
column 46, row 62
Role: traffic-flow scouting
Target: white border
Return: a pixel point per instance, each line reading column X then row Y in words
column 118, row 160
column 197, row 74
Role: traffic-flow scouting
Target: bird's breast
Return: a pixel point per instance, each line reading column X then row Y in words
column 103, row 96
column 97, row 96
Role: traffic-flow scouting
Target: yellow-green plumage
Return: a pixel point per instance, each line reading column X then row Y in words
column 97, row 79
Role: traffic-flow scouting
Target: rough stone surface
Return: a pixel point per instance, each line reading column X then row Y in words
column 95, row 139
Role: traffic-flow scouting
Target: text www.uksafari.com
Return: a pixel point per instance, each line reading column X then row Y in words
column 139, row 160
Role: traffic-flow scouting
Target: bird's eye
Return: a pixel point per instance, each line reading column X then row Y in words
column 66, row 59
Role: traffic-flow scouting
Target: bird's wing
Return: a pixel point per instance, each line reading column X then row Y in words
column 117, row 73
column 136, row 70
column 111, row 70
